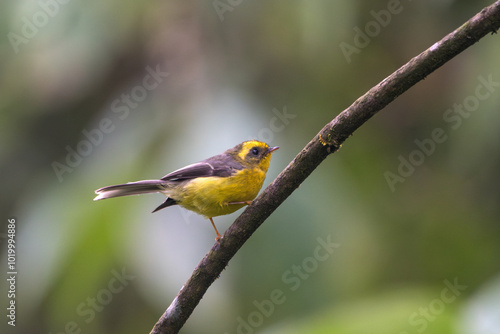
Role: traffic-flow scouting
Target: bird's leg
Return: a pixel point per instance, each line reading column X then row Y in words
column 217, row 238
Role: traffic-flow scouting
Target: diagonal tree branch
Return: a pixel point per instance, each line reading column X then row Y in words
column 326, row 142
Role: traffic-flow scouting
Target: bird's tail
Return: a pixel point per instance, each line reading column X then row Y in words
column 131, row 188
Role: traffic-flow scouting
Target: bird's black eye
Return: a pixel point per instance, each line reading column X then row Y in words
column 255, row 151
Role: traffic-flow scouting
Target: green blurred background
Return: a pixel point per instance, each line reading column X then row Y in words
column 418, row 257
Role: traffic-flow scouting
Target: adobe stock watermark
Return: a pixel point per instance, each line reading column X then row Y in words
column 31, row 25
column 87, row 310
column 121, row 107
column 293, row 278
column 421, row 318
column 453, row 117
column 277, row 124
column 223, row 6
column 11, row 271
column 362, row 37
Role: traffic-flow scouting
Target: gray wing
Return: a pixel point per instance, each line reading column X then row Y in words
column 218, row 165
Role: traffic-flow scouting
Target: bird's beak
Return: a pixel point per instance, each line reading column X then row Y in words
column 272, row 149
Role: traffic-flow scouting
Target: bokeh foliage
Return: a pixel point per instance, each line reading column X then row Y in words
column 235, row 69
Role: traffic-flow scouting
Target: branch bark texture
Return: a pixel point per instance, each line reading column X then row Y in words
column 326, row 142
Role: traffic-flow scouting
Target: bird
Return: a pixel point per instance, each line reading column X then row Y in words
column 216, row 186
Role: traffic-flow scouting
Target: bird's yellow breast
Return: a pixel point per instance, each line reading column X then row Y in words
column 210, row 196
